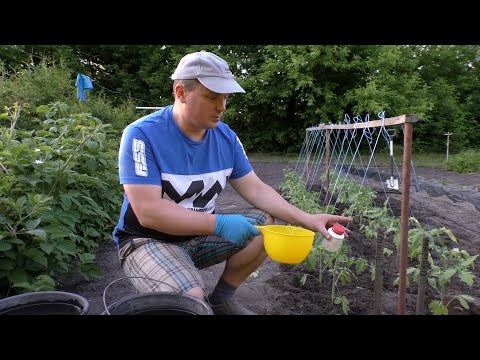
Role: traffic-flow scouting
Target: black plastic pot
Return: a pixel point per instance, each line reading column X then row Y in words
column 159, row 303
column 44, row 303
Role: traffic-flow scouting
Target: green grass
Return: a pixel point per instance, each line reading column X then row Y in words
column 466, row 162
column 263, row 157
column 419, row 159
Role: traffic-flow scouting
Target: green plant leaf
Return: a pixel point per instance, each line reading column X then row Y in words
column 102, row 213
column 18, row 276
column 20, row 201
column 6, row 264
column 42, row 109
column 32, row 224
column 41, row 133
column 23, row 285
column 67, row 247
column 345, row 307
column 47, row 247
column 469, row 298
column 387, row 252
column 16, row 241
column 451, row 235
column 463, row 302
column 37, row 255
column 466, row 277
column 91, row 271
column 469, row 261
column 437, row 308
column 86, row 258
column 66, row 202
column 85, row 210
column 91, row 164
column 432, row 282
column 44, row 283
column 92, row 232
column 5, row 246
column 38, row 233
column 446, row 276
column 69, row 218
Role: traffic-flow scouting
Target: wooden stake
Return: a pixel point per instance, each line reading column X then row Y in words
column 407, row 157
column 448, row 141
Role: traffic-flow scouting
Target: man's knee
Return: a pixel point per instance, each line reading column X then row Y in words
column 196, row 292
column 270, row 220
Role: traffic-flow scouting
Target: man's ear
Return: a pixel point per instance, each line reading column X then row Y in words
column 179, row 92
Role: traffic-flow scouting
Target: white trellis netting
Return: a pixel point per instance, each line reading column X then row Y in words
column 349, row 150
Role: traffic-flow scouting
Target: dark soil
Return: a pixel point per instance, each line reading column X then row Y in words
column 439, row 198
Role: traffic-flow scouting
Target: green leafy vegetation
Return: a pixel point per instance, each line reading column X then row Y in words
column 288, row 87
column 465, row 162
column 59, row 196
column 443, row 261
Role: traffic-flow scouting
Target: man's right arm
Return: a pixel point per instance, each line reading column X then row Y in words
column 166, row 216
column 163, row 215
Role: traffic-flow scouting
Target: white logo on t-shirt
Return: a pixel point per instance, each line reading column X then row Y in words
column 241, row 145
column 138, row 149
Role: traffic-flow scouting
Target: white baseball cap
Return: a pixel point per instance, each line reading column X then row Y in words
column 211, row 70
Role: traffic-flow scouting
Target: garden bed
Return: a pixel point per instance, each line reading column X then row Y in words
column 276, row 289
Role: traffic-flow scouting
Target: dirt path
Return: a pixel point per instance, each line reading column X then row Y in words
column 275, row 289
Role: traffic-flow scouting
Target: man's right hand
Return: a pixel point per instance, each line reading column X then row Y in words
column 235, row 228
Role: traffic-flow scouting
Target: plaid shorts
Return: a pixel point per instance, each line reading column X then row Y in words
column 155, row 265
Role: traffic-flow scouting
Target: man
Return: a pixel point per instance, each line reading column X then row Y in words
column 173, row 164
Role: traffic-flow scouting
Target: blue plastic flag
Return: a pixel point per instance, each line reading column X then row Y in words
column 83, row 83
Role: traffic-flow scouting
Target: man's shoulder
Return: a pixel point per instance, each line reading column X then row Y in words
column 224, row 126
column 225, row 129
column 158, row 118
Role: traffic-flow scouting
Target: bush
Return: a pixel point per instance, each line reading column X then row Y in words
column 36, row 85
column 465, row 162
column 100, row 107
column 49, row 82
column 59, row 196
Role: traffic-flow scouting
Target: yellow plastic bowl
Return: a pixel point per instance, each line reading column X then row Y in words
column 287, row 244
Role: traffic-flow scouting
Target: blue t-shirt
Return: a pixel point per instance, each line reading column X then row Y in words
column 154, row 151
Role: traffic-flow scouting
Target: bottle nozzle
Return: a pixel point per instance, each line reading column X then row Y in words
column 338, row 229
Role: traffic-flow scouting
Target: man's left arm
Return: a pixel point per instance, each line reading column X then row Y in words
column 264, row 197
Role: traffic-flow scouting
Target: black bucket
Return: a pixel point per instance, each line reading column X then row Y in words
column 159, row 303
column 156, row 302
column 44, row 303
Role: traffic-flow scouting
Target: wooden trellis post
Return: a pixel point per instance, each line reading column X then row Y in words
column 448, row 141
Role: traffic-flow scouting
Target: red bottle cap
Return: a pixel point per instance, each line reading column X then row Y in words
column 338, row 229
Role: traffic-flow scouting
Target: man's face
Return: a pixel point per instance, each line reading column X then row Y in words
column 204, row 108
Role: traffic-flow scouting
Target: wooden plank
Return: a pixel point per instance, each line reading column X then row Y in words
column 397, row 120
